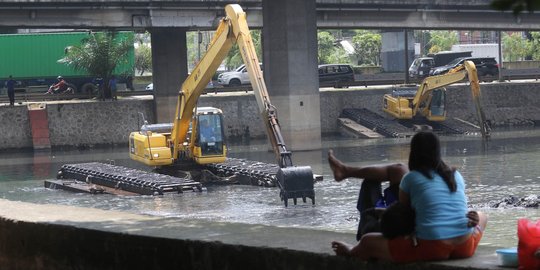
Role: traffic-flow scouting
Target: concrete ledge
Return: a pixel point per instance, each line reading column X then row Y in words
column 34, row 236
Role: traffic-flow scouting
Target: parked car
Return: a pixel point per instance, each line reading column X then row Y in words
column 337, row 75
column 420, row 67
column 487, row 67
column 237, row 77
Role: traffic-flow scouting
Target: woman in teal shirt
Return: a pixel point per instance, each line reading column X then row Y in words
column 436, row 192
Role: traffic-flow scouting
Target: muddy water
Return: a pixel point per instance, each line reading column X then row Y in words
column 507, row 165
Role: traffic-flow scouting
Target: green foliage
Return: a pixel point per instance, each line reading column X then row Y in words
column 325, row 42
column 534, row 46
column 99, row 54
column 515, row 47
column 367, row 45
column 143, row 58
column 329, row 51
column 143, row 53
column 234, row 58
column 443, row 40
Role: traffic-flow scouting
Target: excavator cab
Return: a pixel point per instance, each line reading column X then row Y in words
column 437, row 106
column 209, row 144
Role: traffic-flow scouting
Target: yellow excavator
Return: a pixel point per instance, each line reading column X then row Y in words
column 186, row 141
column 429, row 100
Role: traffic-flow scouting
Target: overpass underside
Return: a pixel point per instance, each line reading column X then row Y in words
column 206, row 14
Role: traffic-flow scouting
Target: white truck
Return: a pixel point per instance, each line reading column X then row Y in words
column 479, row 50
column 235, row 78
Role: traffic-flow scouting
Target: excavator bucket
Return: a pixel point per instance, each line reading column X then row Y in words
column 296, row 182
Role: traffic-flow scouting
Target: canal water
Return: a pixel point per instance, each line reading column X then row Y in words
column 507, row 165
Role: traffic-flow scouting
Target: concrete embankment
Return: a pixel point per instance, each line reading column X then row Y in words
column 65, row 237
column 88, row 123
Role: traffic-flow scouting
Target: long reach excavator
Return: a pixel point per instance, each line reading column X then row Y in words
column 429, row 101
column 187, row 141
column 194, row 141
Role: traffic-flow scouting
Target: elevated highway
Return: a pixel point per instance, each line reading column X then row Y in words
column 378, row 14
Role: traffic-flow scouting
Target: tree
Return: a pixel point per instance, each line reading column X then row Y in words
column 367, row 45
column 143, row 54
column 325, row 42
column 234, row 58
column 515, row 47
column 534, row 46
column 99, row 54
column 442, row 40
column 329, row 50
column 143, row 58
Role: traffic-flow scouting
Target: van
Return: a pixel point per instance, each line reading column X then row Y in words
column 420, row 67
column 337, row 75
column 487, row 68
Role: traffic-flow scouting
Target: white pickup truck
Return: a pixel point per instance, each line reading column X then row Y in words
column 235, row 78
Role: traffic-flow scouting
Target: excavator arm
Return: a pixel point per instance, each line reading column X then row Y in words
column 423, row 95
column 294, row 182
column 266, row 109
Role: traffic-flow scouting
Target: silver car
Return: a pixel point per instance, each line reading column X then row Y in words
column 237, row 77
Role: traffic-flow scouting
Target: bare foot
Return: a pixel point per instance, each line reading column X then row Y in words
column 338, row 168
column 341, row 249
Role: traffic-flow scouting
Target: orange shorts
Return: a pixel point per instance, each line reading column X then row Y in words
column 403, row 250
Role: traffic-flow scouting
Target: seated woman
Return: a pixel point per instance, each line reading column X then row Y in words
column 372, row 199
column 436, row 193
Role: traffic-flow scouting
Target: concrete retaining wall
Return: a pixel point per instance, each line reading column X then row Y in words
column 48, row 236
column 110, row 122
column 38, row 246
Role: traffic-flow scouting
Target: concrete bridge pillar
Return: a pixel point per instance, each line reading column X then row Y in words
column 169, row 69
column 290, row 69
column 393, row 50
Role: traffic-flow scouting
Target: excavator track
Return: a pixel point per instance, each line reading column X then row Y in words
column 373, row 121
column 405, row 128
column 448, row 127
column 247, row 172
column 98, row 177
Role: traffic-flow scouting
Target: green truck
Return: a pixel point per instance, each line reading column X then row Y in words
column 32, row 60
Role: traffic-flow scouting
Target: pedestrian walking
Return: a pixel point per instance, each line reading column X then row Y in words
column 10, row 85
column 112, row 87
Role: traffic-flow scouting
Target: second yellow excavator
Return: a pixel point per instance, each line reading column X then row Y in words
column 196, row 135
column 429, row 100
